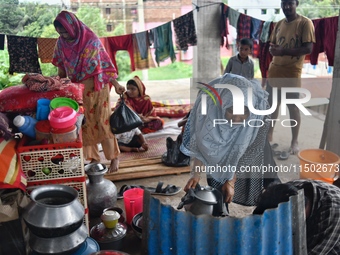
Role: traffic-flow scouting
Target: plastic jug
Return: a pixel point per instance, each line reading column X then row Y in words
column 133, row 202
column 26, row 125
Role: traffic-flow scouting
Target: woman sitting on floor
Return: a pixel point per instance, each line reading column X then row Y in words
column 137, row 100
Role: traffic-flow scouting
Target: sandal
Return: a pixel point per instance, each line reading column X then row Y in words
column 126, row 187
column 284, row 155
column 169, row 190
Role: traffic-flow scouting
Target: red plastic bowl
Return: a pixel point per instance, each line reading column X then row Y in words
column 62, row 117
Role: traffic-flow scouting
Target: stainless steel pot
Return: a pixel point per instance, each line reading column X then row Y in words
column 54, row 211
column 62, row 245
column 203, row 200
column 101, row 193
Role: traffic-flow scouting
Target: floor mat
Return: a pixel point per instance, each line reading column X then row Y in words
column 157, row 146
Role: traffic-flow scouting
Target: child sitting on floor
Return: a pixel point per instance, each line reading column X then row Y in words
column 132, row 141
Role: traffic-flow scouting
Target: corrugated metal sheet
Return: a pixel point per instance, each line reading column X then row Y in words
column 169, row 231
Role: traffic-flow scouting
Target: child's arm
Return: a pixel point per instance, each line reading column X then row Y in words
column 228, row 67
column 252, row 70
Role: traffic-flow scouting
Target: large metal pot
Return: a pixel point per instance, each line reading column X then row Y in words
column 203, row 200
column 101, row 193
column 62, row 245
column 54, row 211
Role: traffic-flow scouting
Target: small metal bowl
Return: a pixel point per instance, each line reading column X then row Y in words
column 137, row 224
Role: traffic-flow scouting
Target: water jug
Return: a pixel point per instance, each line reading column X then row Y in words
column 101, row 193
column 26, row 125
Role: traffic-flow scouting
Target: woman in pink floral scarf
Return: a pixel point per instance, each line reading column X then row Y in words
column 80, row 56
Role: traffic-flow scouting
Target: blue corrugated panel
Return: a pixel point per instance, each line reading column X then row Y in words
column 170, row 232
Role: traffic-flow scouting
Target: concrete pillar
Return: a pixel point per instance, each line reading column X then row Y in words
column 207, row 59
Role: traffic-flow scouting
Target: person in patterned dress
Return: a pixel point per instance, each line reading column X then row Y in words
column 80, row 56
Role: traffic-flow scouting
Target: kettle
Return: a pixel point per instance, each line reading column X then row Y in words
column 203, row 200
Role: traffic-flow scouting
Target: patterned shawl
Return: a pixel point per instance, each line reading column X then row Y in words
column 222, row 145
column 84, row 57
column 142, row 104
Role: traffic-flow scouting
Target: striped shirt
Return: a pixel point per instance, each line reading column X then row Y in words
column 323, row 224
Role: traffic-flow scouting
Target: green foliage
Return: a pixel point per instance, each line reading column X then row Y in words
column 7, row 80
column 49, row 32
column 176, row 70
column 47, row 69
column 314, row 9
column 92, row 18
column 11, row 16
column 40, row 16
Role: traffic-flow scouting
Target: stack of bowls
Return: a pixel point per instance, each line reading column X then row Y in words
column 62, row 121
column 54, row 218
column 137, row 224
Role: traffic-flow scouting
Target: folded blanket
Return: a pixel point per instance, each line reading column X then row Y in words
column 11, row 174
column 38, row 82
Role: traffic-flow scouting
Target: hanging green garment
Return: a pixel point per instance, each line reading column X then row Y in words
column 163, row 44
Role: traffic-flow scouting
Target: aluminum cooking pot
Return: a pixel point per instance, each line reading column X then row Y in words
column 203, row 200
column 62, row 245
column 54, row 211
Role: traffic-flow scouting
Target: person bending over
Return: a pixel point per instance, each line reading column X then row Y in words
column 322, row 207
column 231, row 154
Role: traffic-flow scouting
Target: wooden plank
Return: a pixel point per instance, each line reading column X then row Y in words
column 145, row 168
column 140, row 162
column 162, row 170
column 136, row 162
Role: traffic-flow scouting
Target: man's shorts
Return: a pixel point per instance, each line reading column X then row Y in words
column 290, row 95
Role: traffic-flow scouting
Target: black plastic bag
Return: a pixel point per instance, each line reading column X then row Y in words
column 173, row 156
column 124, row 119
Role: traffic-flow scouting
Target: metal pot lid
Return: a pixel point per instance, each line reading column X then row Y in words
column 206, row 195
column 106, row 235
column 95, row 169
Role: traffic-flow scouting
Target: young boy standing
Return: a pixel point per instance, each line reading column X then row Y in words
column 241, row 64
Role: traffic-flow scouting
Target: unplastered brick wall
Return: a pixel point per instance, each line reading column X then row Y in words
column 162, row 11
column 154, row 10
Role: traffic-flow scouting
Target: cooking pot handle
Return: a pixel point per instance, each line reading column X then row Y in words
column 198, row 187
column 188, row 198
column 219, row 208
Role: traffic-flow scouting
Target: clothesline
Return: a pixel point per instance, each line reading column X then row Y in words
column 25, row 51
column 259, row 30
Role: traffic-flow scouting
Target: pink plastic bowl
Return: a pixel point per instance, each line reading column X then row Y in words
column 62, row 117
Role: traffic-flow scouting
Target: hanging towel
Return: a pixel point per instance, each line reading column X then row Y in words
column 265, row 34
column 185, row 31
column 46, row 49
column 2, row 41
column 122, row 42
column 163, row 43
column 106, row 44
column 256, row 25
column 319, row 28
column 224, row 25
column 140, row 63
column 23, row 54
column 329, row 38
column 143, row 44
column 243, row 27
column 233, row 16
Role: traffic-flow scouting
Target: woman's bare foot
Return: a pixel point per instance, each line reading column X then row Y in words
column 294, row 148
column 114, row 165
